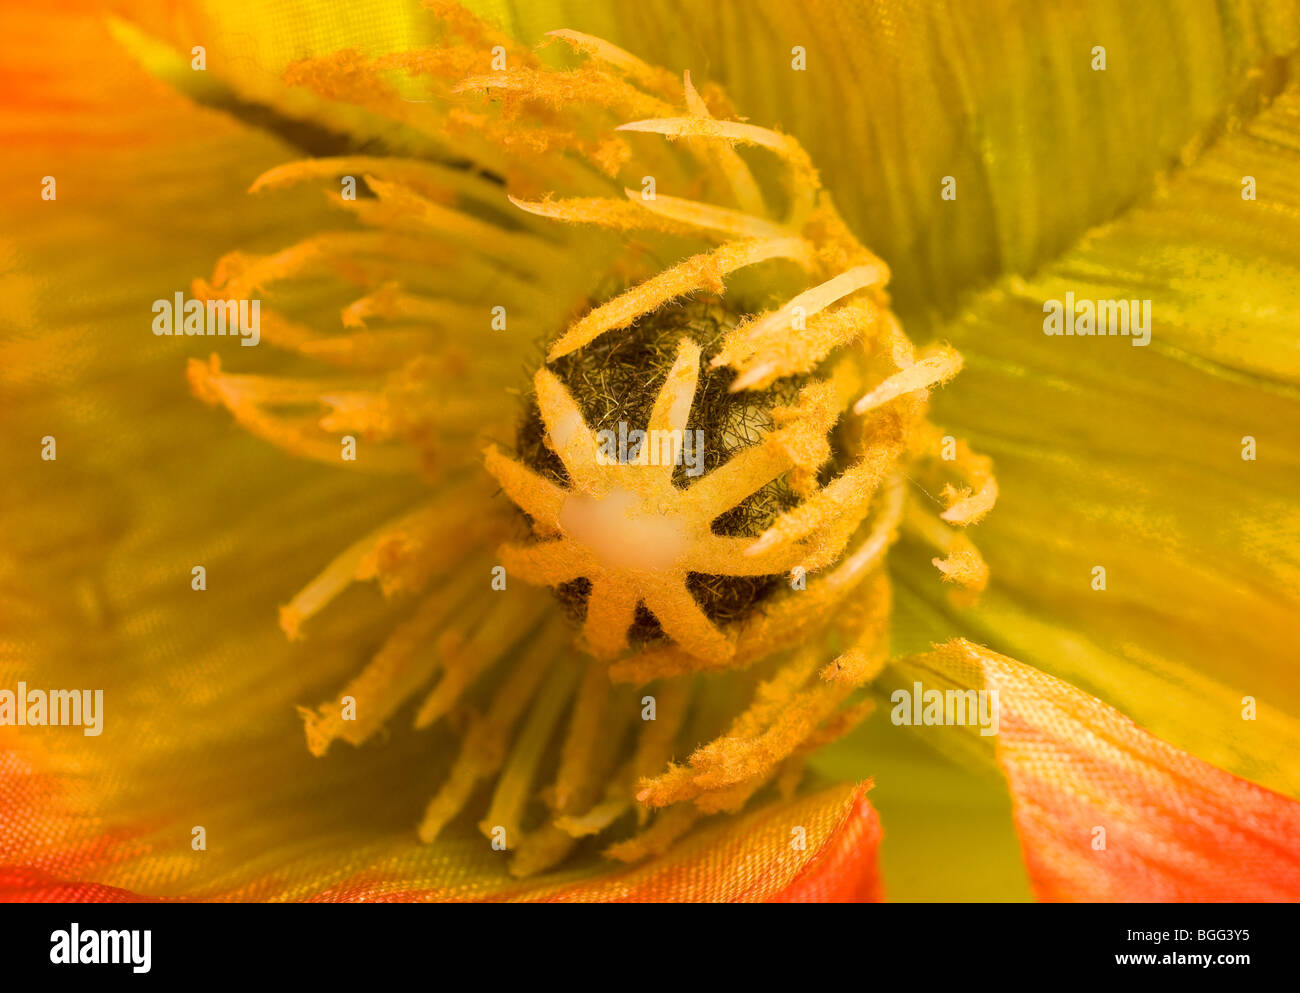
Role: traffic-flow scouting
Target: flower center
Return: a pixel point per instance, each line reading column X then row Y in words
column 614, row 381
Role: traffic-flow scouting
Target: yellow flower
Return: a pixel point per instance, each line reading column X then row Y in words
column 925, row 145
column 663, row 561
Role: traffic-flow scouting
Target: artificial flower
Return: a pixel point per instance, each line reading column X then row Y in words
column 898, row 174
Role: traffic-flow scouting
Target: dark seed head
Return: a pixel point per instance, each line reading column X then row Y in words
column 616, row 379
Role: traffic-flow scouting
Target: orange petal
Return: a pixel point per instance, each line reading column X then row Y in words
column 847, row 869
column 752, row 859
column 1082, row 775
column 19, row 884
column 49, row 849
column 820, row 847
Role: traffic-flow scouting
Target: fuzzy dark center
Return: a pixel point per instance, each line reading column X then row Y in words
column 615, row 381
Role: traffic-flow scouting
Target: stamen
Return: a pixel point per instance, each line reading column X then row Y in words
column 934, row 370
column 778, row 353
column 783, row 146
column 390, row 302
column 358, row 562
column 484, row 748
column 843, row 497
column 806, row 304
column 606, row 212
column 658, row 738
column 781, row 716
column 401, row 207
column 869, row 616
column 465, row 657
column 541, row 849
column 664, row 830
column 708, row 218
column 698, row 272
column 435, row 182
column 367, row 351
column 396, row 672
column 576, row 781
column 648, row 77
column 966, row 507
column 239, row 274
column 593, row 87
column 725, row 159
column 962, row 563
column 296, row 435
column 515, row 785
column 597, row 819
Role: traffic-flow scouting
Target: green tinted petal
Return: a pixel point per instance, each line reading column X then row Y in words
column 1000, row 96
column 1131, row 458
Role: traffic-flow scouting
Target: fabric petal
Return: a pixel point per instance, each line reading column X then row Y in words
column 1131, row 459
column 817, row 848
column 97, row 547
column 1108, row 812
column 950, row 833
column 1002, row 97
column 845, row 871
column 820, row 848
